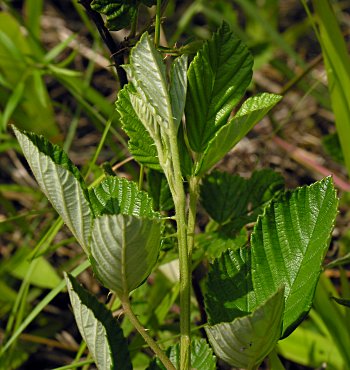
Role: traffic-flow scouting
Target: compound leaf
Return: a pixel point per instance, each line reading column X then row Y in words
column 224, row 139
column 118, row 195
column 60, row 181
column 124, row 249
column 99, row 329
column 246, row 341
column 217, row 79
column 289, row 243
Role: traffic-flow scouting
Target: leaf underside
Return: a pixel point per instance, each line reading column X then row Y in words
column 99, row 329
column 124, row 249
column 246, row 341
column 60, row 181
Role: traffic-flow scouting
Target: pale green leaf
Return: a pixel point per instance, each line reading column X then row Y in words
column 246, row 341
column 201, row 356
column 224, row 139
column 124, row 249
column 178, row 87
column 309, row 348
column 289, row 243
column 60, row 181
column 148, row 74
column 229, row 287
column 116, row 195
column 99, row 329
column 141, row 145
column 217, row 79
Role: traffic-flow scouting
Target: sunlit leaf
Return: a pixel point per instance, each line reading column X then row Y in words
column 217, row 79
column 289, row 243
column 116, row 195
column 224, row 139
column 60, row 181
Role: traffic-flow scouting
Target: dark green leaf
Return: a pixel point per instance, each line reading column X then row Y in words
column 159, row 190
column 119, row 14
column 116, row 195
column 232, row 198
column 224, row 139
column 229, row 288
column 246, row 341
column 99, row 329
column 141, row 145
column 289, row 243
column 217, row 79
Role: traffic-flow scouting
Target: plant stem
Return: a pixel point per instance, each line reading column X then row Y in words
column 148, row 339
column 192, row 211
column 157, row 26
column 179, row 197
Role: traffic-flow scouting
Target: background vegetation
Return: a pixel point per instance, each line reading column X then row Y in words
column 57, row 79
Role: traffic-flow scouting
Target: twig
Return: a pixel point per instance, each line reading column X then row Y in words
column 107, row 38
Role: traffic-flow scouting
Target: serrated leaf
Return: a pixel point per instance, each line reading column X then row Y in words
column 118, row 195
column 148, row 74
column 246, row 341
column 124, row 249
column 225, row 139
column 216, row 242
column 201, row 356
column 99, row 329
column 178, row 87
column 229, row 287
column 141, row 145
column 217, row 79
column 60, row 181
column 230, row 197
column 119, row 14
column 289, row 243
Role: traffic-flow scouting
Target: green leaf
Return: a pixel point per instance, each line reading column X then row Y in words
column 99, row 329
column 12, row 103
column 141, row 145
column 178, row 87
column 118, row 195
column 217, row 79
column 289, row 243
column 119, row 14
column 224, row 139
column 201, row 356
column 246, row 341
column 309, row 348
column 60, row 181
column 148, row 74
column 229, row 287
column 124, row 249
column 237, row 198
column 159, row 190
